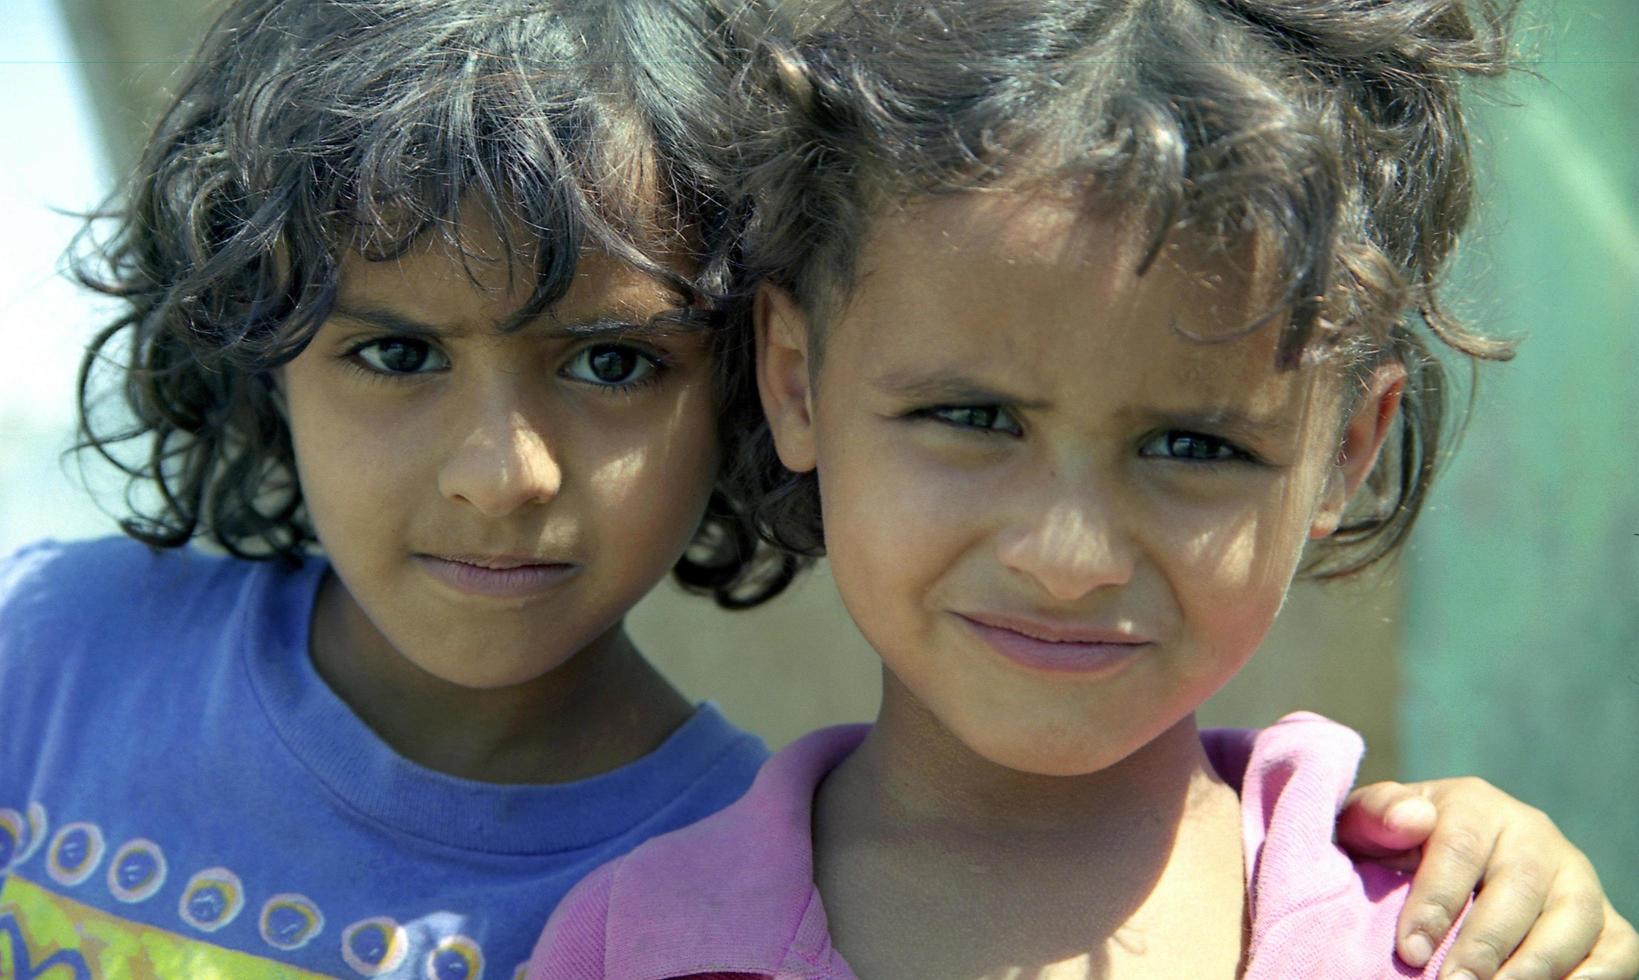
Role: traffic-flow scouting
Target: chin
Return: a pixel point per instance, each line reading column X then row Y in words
column 1050, row 750
column 476, row 674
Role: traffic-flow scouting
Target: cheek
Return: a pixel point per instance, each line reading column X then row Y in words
column 896, row 523
column 343, row 462
column 652, row 475
column 1233, row 570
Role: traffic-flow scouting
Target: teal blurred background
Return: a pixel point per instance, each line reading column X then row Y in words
column 1520, row 660
column 1504, row 644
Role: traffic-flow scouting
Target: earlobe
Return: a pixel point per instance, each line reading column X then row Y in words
column 783, row 379
column 1333, row 501
column 1364, row 432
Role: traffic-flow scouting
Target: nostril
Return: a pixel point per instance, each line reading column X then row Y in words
column 1068, row 554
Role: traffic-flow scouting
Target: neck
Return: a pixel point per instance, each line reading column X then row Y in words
column 918, row 772
column 603, row 708
column 1133, row 870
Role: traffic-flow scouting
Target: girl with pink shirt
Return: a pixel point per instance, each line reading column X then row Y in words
column 1082, row 329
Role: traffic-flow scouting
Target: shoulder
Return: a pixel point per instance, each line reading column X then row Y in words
column 572, row 945
column 1313, row 910
column 704, row 766
column 747, row 846
column 62, row 600
column 735, row 888
column 109, row 586
column 59, row 577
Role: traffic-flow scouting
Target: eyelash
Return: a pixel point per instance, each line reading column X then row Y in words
column 658, row 363
column 938, row 413
column 353, row 356
column 1236, row 454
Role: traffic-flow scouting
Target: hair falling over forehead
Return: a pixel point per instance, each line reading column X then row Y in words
column 1327, row 133
column 306, row 130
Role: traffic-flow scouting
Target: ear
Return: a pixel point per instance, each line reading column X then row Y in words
column 783, row 379
column 1368, row 425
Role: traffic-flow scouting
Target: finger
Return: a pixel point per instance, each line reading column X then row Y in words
column 1503, row 912
column 1405, row 862
column 1558, row 942
column 1384, row 819
column 1453, row 861
column 1615, row 956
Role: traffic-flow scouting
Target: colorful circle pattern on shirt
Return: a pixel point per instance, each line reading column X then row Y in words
column 37, row 824
column 215, row 897
column 75, row 852
column 212, row 899
column 455, row 958
column 290, row 921
column 137, row 870
column 374, row 946
column 13, row 838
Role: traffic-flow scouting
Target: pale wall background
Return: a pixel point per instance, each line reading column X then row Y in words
column 1505, row 644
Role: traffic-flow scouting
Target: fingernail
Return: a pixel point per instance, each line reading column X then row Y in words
column 1462, row 975
column 1419, row 949
column 1406, row 814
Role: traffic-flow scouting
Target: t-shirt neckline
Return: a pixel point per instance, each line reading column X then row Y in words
column 362, row 771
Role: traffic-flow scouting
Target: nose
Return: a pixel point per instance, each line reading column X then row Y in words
column 1069, row 548
column 503, row 463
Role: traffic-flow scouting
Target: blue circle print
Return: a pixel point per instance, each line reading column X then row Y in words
column 374, row 946
column 289, row 921
column 370, row 944
column 73, row 849
column 455, row 958
column 451, row 964
column 136, row 869
column 75, row 852
column 212, row 899
column 208, row 903
column 286, row 924
column 13, row 831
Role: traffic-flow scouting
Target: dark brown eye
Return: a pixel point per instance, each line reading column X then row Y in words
column 984, row 418
column 612, row 365
column 1193, row 447
column 400, row 355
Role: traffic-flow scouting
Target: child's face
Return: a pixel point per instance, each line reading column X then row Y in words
column 495, row 502
column 1061, row 523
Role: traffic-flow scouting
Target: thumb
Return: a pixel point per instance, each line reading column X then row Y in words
column 1384, row 819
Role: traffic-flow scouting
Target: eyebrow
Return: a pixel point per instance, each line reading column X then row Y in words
column 949, row 387
column 584, row 328
column 1227, row 420
column 955, row 388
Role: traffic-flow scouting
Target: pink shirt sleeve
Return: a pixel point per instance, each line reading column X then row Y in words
column 571, row 947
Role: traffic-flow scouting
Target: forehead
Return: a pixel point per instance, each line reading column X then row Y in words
column 480, row 279
column 1048, row 289
column 1041, row 251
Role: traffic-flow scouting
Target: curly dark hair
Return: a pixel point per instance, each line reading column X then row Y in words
column 306, row 129
column 1328, row 131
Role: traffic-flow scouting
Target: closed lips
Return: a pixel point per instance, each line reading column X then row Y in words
column 1056, row 632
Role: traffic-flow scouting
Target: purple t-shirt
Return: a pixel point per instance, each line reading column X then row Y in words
column 181, row 795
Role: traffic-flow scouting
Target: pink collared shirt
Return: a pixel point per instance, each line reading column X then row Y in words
column 734, row 894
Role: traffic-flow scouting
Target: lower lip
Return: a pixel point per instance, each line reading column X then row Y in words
column 1067, row 658
column 523, row 582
